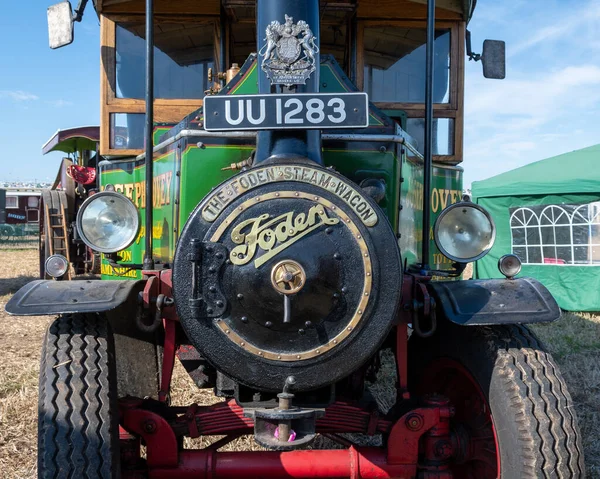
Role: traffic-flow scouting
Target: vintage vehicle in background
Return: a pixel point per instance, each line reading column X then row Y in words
column 19, row 214
column 62, row 253
column 279, row 234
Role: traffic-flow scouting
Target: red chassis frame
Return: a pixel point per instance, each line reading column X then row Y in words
column 420, row 443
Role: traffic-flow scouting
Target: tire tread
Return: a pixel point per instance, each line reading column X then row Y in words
column 527, row 386
column 548, row 428
column 78, row 436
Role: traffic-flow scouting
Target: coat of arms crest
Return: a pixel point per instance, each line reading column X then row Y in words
column 288, row 57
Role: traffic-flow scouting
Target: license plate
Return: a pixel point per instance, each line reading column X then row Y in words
column 295, row 111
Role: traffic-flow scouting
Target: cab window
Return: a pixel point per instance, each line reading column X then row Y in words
column 185, row 48
column 394, row 68
column 183, row 54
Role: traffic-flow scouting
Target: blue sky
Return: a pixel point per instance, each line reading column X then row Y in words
column 548, row 104
column 42, row 90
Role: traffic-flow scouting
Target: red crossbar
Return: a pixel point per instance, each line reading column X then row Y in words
column 364, row 463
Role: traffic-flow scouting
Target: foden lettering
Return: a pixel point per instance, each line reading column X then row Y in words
column 223, row 196
column 275, row 235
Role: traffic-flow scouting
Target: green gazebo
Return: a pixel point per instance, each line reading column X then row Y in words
column 548, row 213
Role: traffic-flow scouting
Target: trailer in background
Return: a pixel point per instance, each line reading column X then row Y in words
column 19, row 213
column 75, row 181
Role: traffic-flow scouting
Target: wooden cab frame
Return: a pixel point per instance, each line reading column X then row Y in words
column 454, row 109
column 165, row 110
column 357, row 15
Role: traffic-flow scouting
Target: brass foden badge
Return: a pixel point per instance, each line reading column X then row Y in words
column 221, row 197
column 274, row 235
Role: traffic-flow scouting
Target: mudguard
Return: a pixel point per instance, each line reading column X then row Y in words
column 495, row 301
column 47, row 297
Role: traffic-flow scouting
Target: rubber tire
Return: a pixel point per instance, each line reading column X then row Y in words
column 532, row 410
column 78, row 428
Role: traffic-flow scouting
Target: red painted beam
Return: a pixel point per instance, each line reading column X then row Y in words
column 364, row 463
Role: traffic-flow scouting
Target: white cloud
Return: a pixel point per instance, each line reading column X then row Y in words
column 18, row 95
column 534, row 99
column 528, row 118
column 59, row 103
column 583, row 21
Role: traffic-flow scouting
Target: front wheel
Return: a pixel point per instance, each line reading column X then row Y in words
column 514, row 416
column 78, row 429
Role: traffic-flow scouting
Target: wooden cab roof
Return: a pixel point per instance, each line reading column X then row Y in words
column 366, row 9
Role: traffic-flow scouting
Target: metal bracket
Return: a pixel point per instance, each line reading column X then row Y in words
column 427, row 306
column 472, row 56
column 208, row 300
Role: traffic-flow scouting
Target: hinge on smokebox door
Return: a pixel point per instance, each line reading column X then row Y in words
column 207, row 300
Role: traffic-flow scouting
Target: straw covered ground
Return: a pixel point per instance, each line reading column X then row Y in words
column 574, row 341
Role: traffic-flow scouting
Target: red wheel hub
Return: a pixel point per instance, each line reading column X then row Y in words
column 476, row 453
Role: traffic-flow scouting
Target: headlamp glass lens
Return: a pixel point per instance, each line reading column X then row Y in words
column 108, row 223
column 56, row 265
column 464, row 233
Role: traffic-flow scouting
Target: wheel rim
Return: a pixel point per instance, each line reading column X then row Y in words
column 478, row 455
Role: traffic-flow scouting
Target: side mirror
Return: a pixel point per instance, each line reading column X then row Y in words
column 493, row 59
column 60, row 25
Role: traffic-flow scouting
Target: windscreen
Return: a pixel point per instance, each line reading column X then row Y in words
column 183, row 54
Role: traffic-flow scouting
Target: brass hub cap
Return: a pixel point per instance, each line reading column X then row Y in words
column 288, row 277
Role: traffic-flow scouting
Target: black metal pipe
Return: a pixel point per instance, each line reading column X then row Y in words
column 427, row 163
column 148, row 260
column 78, row 15
column 353, row 48
column 223, row 42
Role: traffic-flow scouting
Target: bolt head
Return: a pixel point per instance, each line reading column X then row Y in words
column 149, row 426
column 414, row 422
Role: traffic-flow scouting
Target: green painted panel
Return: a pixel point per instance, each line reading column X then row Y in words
column 248, row 85
column 158, row 132
column 163, row 194
column 446, row 189
column 126, row 178
column 201, row 170
column 129, row 178
column 360, row 165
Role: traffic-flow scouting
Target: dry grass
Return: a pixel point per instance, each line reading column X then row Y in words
column 574, row 341
column 20, row 340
